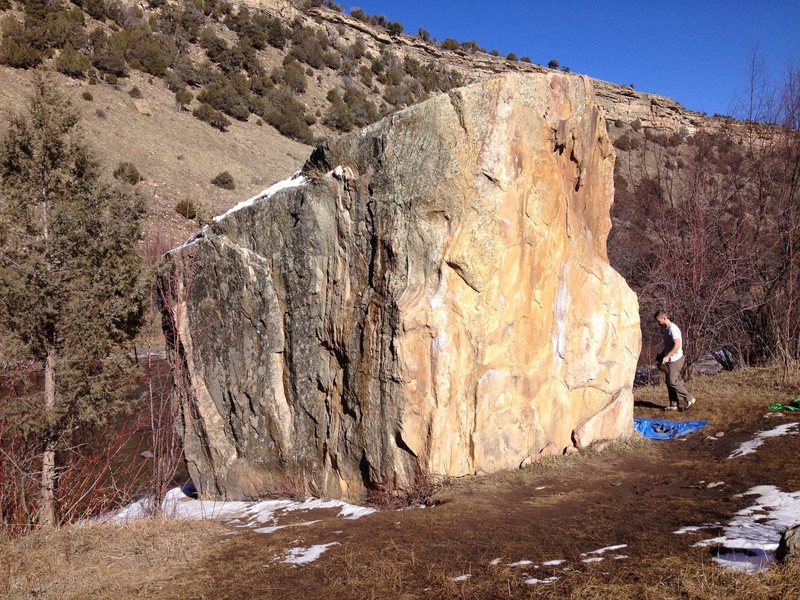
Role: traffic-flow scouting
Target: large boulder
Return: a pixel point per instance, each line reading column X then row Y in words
column 430, row 297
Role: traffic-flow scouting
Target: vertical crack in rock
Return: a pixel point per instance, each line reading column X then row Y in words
column 457, row 102
column 408, row 306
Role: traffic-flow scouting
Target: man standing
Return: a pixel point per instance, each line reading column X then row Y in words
column 670, row 362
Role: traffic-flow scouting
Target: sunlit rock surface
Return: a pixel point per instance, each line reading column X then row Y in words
column 432, row 297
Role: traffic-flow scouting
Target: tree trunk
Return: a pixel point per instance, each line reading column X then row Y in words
column 47, row 512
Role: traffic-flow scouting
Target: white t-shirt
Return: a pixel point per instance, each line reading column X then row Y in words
column 672, row 333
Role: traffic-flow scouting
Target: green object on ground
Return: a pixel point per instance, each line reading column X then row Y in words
column 794, row 405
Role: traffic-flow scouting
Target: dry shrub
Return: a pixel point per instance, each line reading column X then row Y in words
column 421, row 492
column 99, row 472
column 186, row 208
column 206, row 112
column 127, row 172
column 224, row 180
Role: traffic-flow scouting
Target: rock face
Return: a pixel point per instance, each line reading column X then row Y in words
column 789, row 545
column 432, row 296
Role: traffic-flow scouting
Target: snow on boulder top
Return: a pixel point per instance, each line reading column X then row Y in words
column 295, row 180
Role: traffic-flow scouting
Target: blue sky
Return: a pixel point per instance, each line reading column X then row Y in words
column 695, row 52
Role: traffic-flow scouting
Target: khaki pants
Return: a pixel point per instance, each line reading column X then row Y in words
column 675, row 387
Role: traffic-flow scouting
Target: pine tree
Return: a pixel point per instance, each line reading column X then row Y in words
column 72, row 291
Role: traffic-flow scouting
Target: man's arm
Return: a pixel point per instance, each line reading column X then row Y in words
column 675, row 347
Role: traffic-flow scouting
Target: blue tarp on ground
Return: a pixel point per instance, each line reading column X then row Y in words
column 660, row 429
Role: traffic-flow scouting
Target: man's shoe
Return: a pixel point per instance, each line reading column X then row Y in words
column 671, row 407
column 689, row 404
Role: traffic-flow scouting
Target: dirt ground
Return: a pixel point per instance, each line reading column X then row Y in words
column 634, row 493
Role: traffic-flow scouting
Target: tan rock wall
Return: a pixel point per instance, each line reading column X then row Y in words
column 436, row 298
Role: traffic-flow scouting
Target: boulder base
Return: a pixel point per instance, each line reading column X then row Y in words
column 430, row 297
column 789, row 545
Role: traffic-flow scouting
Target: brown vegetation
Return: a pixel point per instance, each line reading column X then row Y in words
column 635, row 492
column 709, row 228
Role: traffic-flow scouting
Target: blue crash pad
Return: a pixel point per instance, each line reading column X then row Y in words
column 660, row 429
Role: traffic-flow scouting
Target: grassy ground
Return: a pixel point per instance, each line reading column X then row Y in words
column 635, row 492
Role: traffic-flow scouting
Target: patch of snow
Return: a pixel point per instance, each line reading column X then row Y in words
column 192, row 240
column 750, row 446
column 553, row 563
column 715, row 484
column 534, row 581
column 620, row 556
column 521, row 563
column 462, row 577
column 274, row 528
column 353, row 512
column 303, row 556
column 750, row 539
column 296, row 180
column 348, row 511
column 496, row 561
column 606, row 549
column 744, row 562
column 541, row 487
column 262, row 514
column 693, row 528
column 592, row 559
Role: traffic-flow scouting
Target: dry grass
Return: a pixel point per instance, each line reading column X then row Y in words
column 673, row 578
column 633, row 491
column 138, row 560
column 726, row 399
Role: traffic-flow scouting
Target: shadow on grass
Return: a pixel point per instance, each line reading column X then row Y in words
column 646, row 404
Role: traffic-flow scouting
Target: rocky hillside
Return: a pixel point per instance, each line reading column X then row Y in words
column 269, row 79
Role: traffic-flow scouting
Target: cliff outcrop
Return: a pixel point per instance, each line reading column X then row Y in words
column 431, row 295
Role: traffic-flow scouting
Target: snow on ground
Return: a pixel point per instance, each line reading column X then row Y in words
column 534, row 581
column 693, row 528
column 750, row 539
column 600, row 551
column 302, row 556
column 294, row 181
column 462, row 577
column 606, row 549
column 750, row 446
column 592, row 556
column 274, row 528
column 264, row 515
column 521, row 563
